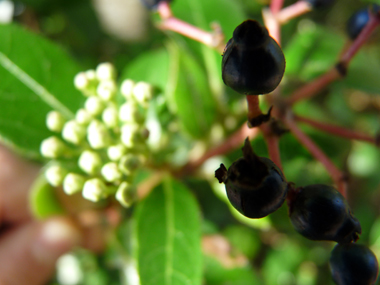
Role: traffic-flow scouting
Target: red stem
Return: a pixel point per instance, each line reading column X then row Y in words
column 276, row 5
column 310, row 89
column 272, row 143
column 334, row 172
column 297, row 9
column 337, row 130
column 253, row 106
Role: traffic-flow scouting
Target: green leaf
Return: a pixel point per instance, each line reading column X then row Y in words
column 43, row 200
column 151, row 67
column 189, row 95
column 36, row 77
column 168, row 236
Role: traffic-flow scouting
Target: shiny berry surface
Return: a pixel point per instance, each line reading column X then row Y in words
column 320, row 212
column 353, row 264
column 253, row 63
column 358, row 20
column 255, row 186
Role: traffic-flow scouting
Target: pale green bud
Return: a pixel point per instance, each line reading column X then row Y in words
column 111, row 172
column 83, row 117
column 95, row 190
column 55, row 175
column 115, row 152
column 126, row 194
column 94, row 105
column 142, row 93
column 55, row 121
column 129, row 134
column 53, row 147
column 129, row 113
column 73, row 183
column 91, row 75
column 98, row 135
column 129, row 163
column 81, row 81
column 73, row 132
column 110, row 117
column 126, row 88
column 106, row 90
column 90, row 161
column 105, row 71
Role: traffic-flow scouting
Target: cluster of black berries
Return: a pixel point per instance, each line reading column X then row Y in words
column 256, row 187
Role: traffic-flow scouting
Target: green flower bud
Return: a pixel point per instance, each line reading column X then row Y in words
column 106, row 90
column 55, row 121
column 98, row 135
column 91, row 75
column 81, row 82
column 53, row 147
column 94, row 105
column 105, row 71
column 129, row 134
column 73, row 132
column 110, row 117
column 111, row 172
column 142, row 93
column 115, row 152
column 83, row 117
column 90, row 161
column 95, row 190
column 126, row 194
column 73, row 183
column 55, row 175
column 129, row 163
column 127, row 88
column 129, row 113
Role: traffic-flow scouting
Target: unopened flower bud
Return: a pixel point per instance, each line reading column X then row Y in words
column 129, row 134
column 90, row 161
column 142, row 93
column 95, row 190
column 81, row 81
column 55, row 175
column 98, row 135
column 115, row 152
column 53, row 147
column 73, row 183
column 83, row 117
column 127, row 88
column 105, row 71
column 110, row 117
column 129, row 162
column 73, row 132
column 129, row 113
column 110, row 171
column 126, row 194
column 55, row 121
column 94, row 105
column 91, row 75
column 106, row 90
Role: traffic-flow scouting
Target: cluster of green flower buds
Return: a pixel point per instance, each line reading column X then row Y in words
column 106, row 140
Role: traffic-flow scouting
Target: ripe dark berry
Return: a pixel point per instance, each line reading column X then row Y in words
column 353, row 264
column 358, row 20
column 320, row 212
column 152, row 4
column 253, row 63
column 320, row 3
column 255, row 186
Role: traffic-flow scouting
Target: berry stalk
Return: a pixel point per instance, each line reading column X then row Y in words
column 305, row 140
column 337, row 130
column 295, row 10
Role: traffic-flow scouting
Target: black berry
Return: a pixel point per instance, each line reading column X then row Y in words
column 320, row 212
column 152, row 4
column 320, row 3
column 253, row 63
column 358, row 20
column 255, row 186
column 353, row 264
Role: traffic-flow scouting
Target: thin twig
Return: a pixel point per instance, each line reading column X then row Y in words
column 295, row 10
